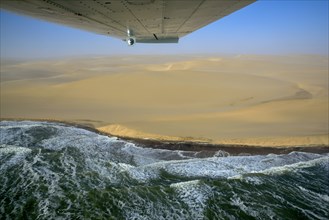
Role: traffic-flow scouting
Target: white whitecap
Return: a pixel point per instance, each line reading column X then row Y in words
column 17, row 155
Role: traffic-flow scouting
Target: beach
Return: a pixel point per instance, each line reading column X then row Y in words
column 245, row 100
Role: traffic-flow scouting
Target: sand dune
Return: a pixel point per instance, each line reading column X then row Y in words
column 259, row 100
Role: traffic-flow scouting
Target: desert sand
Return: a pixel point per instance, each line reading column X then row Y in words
column 245, row 99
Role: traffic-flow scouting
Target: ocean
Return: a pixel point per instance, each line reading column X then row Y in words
column 51, row 170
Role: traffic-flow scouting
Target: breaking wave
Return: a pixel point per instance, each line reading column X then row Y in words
column 53, row 170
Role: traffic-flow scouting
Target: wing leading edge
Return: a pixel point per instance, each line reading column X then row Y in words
column 144, row 21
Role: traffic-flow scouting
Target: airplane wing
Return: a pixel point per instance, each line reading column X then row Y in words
column 144, row 21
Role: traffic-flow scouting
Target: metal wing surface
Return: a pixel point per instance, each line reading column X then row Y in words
column 147, row 21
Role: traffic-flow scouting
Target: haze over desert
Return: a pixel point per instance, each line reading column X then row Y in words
column 245, row 99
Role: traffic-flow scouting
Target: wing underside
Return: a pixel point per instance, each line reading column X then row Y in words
column 151, row 21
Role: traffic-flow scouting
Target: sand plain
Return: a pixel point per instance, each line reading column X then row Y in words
column 245, row 99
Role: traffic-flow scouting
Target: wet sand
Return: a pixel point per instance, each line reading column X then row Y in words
column 206, row 150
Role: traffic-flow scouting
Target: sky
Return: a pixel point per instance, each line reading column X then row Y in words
column 264, row 27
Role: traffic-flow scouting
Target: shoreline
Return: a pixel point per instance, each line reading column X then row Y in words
column 241, row 101
column 205, row 149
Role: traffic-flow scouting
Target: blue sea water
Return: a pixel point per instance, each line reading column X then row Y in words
column 57, row 171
